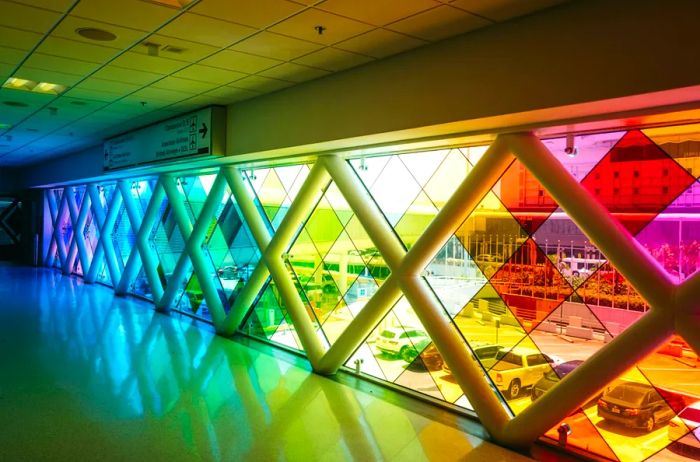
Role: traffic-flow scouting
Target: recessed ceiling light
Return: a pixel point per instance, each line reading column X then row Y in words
column 93, row 33
column 49, row 88
column 15, row 103
column 16, row 83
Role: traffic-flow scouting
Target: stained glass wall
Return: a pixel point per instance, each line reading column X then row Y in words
column 517, row 280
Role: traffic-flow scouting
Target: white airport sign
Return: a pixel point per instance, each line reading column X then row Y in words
column 199, row 133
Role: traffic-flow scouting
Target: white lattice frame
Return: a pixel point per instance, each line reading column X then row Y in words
column 675, row 308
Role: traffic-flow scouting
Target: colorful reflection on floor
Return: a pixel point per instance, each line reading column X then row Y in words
column 91, row 376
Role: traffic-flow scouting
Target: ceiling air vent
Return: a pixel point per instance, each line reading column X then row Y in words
column 173, row 49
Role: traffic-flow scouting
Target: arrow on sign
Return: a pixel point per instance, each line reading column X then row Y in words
column 203, row 130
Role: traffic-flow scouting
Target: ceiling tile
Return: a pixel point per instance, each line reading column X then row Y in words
column 108, row 86
column 380, row 43
column 67, row 104
column 241, row 62
column 155, row 64
column 202, row 29
column 191, row 104
column 21, row 39
column 93, row 95
column 277, row 46
column 133, row 105
column 134, row 14
column 54, row 5
column 333, row 59
column 31, row 99
column 501, row 10
column 209, row 74
column 70, row 24
column 174, row 48
column 151, row 93
column 133, row 76
column 193, row 87
column 294, row 72
column 259, row 14
column 377, row 12
column 261, row 84
column 58, row 63
column 337, row 28
column 228, row 95
column 6, row 70
column 439, row 23
column 41, row 75
column 11, row 55
column 27, row 17
column 76, row 50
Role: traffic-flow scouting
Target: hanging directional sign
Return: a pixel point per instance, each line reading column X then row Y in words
column 199, row 133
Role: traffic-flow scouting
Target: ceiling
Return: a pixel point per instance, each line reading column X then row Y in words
column 167, row 59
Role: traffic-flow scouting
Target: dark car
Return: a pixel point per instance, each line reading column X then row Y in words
column 552, row 377
column 636, row 405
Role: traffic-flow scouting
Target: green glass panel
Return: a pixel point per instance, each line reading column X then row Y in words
column 338, row 203
column 266, row 315
column 363, row 244
column 323, row 227
column 303, row 257
column 271, row 194
column 453, row 276
column 416, row 219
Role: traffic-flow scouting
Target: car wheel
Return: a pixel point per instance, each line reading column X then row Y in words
column 649, row 424
column 575, row 274
column 408, row 353
column 514, row 389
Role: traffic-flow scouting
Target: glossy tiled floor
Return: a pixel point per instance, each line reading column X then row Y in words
column 87, row 376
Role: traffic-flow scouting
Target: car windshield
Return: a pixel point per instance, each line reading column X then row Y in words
column 692, row 414
column 388, row 334
column 628, row 393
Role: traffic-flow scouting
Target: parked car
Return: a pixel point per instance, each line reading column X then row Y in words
column 396, row 341
column 513, row 370
column 636, row 405
column 688, row 419
column 551, row 378
column 481, row 352
column 431, row 358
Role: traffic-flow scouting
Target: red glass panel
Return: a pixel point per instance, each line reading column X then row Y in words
column 636, row 180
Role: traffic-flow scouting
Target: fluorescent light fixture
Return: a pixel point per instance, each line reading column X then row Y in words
column 49, row 88
column 4, row 126
column 15, row 83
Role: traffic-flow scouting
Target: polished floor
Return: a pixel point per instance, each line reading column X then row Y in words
column 89, row 376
